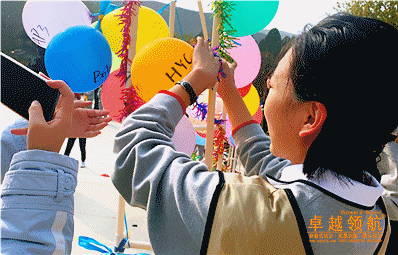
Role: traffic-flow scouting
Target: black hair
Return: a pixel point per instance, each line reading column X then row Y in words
column 348, row 64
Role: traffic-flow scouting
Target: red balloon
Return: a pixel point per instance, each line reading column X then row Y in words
column 111, row 96
column 244, row 90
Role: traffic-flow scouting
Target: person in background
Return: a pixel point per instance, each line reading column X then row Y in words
column 82, row 140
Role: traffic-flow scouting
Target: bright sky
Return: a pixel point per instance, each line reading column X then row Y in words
column 292, row 15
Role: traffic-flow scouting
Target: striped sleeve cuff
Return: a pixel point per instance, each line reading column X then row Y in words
column 183, row 106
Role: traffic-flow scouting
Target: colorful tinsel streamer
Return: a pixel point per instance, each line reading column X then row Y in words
column 131, row 99
column 221, row 10
column 219, row 142
column 201, row 110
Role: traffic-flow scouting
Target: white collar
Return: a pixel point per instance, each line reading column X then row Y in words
column 356, row 192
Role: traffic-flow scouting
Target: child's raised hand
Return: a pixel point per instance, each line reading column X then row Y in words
column 206, row 62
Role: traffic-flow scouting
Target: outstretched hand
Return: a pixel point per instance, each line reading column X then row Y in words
column 86, row 123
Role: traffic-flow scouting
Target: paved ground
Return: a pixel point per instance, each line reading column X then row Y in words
column 96, row 200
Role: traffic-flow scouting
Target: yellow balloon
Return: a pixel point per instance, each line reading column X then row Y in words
column 252, row 100
column 116, row 61
column 159, row 65
column 151, row 26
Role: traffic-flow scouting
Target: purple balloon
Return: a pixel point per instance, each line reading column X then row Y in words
column 42, row 20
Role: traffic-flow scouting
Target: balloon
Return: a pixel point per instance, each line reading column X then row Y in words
column 252, row 100
column 250, row 17
column 248, row 57
column 159, row 65
column 111, row 94
column 200, row 140
column 244, row 90
column 42, row 20
column 151, row 26
column 184, row 138
column 80, row 56
column 116, row 61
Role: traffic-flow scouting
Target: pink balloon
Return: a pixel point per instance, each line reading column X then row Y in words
column 110, row 96
column 184, row 137
column 248, row 57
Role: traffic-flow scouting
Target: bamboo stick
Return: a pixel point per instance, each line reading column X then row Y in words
column 203, row 21
column 133, row 42
column 211, row 103
column 172, row 18
column 132, row 48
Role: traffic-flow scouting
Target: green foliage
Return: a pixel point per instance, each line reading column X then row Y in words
column 386, row 11
column 271, row 43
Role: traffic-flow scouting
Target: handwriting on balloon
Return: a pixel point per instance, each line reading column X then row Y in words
column 39, row 33
column 98, row 75
column 178, row 64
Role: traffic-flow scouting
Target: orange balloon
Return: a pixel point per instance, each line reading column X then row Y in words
column 159, row 65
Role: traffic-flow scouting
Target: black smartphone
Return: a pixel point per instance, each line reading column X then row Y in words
column 20, row 86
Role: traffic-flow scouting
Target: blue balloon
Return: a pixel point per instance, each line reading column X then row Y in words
column 80, row 56
column 200, row 140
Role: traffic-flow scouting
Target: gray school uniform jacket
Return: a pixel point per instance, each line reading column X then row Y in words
column 194, row 211
column 191, row 210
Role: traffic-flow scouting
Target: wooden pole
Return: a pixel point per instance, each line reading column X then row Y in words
column 172, row 17
column 132, row 48
column 211, row 103
column 203, row 21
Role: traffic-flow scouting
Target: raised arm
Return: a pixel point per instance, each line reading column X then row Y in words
column 251, row 142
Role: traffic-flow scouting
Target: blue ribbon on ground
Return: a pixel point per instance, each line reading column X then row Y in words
column 93, row 245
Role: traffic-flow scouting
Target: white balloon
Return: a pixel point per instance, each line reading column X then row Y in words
column 42, row 20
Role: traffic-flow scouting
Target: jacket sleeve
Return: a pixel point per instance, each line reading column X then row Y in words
column 388, row 168
column 11, row 144
column 149, row 173
column 253, row 150
column 37, row 203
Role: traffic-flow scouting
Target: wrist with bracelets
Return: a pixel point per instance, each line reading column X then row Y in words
column 188, row 88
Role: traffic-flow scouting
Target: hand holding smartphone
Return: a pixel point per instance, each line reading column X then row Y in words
column 20, row 86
